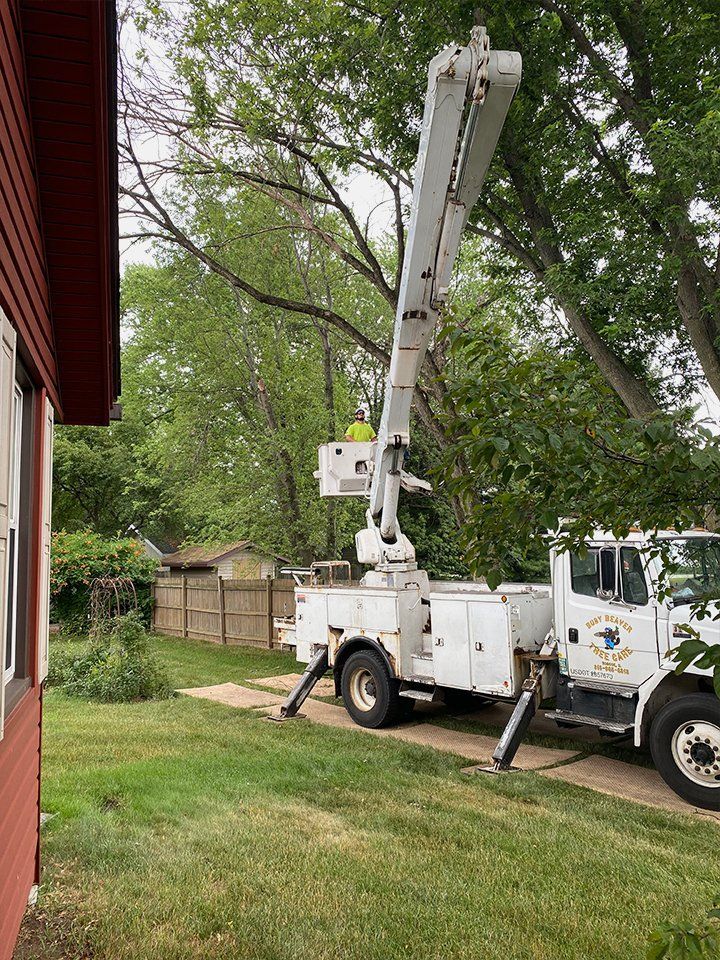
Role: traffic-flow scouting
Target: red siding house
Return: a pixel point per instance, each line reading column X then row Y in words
column 58, row 352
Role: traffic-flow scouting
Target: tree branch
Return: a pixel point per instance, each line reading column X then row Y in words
column 599, row 151
column 624, row 97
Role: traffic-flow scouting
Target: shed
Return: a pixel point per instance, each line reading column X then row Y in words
column 242, row 560
column 59, row 353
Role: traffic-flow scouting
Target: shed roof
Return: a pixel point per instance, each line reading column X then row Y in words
column 209, row 556
column 159, row 543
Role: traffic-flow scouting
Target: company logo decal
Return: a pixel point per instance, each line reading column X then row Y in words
column 614, row 649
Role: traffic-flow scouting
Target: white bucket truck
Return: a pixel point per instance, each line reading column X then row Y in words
column 598, row 636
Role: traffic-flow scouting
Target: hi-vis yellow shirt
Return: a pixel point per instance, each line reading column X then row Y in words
column 360, row 432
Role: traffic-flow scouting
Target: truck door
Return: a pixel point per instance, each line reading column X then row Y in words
column 610, row 617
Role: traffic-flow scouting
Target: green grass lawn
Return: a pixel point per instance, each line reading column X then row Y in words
column 186, row 830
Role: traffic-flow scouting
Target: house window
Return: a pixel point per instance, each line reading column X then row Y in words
column 16, row 666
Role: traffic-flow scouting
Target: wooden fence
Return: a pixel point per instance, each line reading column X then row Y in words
column 224, row 611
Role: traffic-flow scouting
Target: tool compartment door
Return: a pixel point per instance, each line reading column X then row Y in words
column 491, row 648
column 375, row 610
column 450, row 641
column 310, row 621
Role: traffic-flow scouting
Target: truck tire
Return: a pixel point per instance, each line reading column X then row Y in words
column 685, row 745
column 371, row 695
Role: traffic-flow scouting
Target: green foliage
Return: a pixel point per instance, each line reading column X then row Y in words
column 704, row 656
column 602, row 157
column 116, row 667
column 428, row 520
column 586, row 252
column 235, row 395
column 687, row 941
column 596, row 252
column 433, row 531
column 106, row 479
column 549, row 445
column 79, row 558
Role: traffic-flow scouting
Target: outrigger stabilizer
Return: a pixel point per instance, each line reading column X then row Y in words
column 314, row 671
column 514, row 733
column 516, row 727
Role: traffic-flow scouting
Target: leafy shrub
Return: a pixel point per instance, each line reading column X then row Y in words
column 117, row 666
column 687, row 941
column 79, row 558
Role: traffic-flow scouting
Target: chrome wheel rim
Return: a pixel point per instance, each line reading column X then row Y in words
column 696, row 751
column 362, row 689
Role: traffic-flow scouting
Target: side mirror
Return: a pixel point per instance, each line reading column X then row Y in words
column 605, row 594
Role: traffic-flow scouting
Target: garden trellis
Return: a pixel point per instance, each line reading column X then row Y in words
column 110, row 598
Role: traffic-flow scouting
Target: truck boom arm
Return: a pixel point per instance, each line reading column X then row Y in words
column 469, row 92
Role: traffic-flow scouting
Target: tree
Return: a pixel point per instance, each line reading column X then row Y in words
column 594, row 250
column 606, row 174
column 227, row 148
column 551, row 448
column 107, row 479
column 241, row 395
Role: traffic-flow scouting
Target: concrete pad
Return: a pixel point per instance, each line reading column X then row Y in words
column 627, row 781
column 479, row 748
column 286, row 681
column 233, row 695
column 469, row 745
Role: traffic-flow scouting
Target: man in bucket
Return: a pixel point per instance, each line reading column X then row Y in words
column 360, row 431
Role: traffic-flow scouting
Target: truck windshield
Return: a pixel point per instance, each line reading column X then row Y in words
column 697, row 576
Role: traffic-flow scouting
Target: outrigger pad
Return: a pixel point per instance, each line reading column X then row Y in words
column 277, row 719
column 491, row 768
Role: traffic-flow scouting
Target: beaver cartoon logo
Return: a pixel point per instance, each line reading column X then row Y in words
column 610, row 636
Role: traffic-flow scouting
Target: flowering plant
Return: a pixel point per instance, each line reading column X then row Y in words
column 79, row 558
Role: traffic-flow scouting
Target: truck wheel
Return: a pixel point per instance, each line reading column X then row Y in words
column 371, row 695
column 685, row 745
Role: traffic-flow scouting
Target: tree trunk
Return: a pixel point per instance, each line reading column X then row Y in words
column 636, row 397
column 698, row 327
column 698, row 289
column 287, row 488
column 286, row 473
column 633, row 392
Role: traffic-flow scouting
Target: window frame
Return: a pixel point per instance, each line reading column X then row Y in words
column 618, row 591
column 16, row 685
column 601, row 592
column 14, row 535
column 612, row 592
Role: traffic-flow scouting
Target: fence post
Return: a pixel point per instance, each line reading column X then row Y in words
column 184, row 605
column 152, row 605
column 269, row 595
column 221, row 609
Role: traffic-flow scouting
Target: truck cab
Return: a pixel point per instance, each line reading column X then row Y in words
column 612, row 624
column 615, row 631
